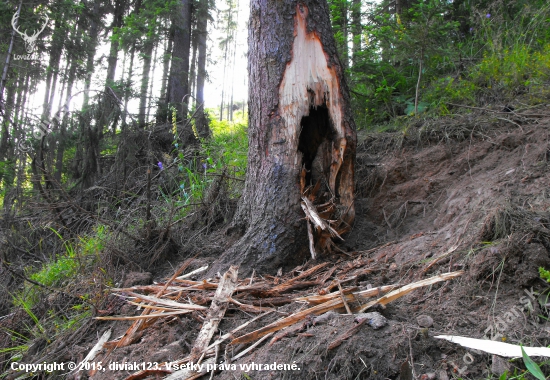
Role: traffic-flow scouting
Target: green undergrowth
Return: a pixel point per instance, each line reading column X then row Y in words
column 222, row 154
column 58, row 297
column 61, row 273
column 498, row 56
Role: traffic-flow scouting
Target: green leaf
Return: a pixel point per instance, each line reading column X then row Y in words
column 531, row 366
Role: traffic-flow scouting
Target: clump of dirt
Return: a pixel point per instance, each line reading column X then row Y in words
column 467, row 193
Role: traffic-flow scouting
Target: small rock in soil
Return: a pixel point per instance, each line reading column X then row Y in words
column 424, row 321
column 499, row 365
column 376, row 320
column 137, row 278
column 324, row 318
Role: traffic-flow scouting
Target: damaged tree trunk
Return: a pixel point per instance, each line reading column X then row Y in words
column 301, row 133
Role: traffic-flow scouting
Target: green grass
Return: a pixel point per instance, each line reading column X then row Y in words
column 229, row 144
column 66, row 265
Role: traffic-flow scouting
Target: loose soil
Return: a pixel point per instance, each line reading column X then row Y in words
column 466, row 193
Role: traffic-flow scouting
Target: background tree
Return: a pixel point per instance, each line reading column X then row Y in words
column 179, row 72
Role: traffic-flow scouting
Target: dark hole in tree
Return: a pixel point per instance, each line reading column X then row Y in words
column 315, row 137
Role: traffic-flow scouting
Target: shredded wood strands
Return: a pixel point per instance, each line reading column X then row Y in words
column 319, row 220
column 338, row 303
column 321, row 288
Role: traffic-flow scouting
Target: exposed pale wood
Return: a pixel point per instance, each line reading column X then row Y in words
column 162, row 301
column 312, row 214
column 311, row 239
column 343, row 297
column 250, row 308
column 138, row 317
column 230, row 334
column 190, row 274
column 290, row 320
column 362, row 294
column 197, row 284
column 286, row 285
column 398, row 293
column 244, row 352
column 154, row 307
column 97, row 347
column 226, row 287
column 148, row 288
column 308, row 81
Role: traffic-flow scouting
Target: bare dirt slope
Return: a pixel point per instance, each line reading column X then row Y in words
column 467, row 193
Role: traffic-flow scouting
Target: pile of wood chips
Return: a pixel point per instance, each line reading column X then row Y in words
column 322, row 289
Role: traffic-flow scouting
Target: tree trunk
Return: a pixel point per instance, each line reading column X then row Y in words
column 356, row 30
column 179, row 73
column 166, row 67
column 107, row 103
column 202, row 34
column 89, row 133
column 7, row 63
column 230, row 107
column 143, row 104
column 128, row 83
column 300, row 116
column 193, row 69
column 58, row 40
column 152, row 76
column 228, row 35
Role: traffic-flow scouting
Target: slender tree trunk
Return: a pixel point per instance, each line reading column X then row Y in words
column 52, row 72
column 230, row 108
column 147, row 51
column 356, row 30
column 108, row 103
column 166, row 66
column 417, row 92
column 300, row 115
column 179, row 73
column 7, row 63
column 202, row 34
column 162, row 110
column 129, row 83
column 89, row 134
column 6, row 140
column 152, row 76
column 193, row 68
column 228, row 34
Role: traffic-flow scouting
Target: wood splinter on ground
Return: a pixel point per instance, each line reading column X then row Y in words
column 240, row 294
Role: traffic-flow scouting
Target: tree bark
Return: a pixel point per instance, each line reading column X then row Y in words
column 143, row 104
column 7, row 63
column 356, row 31
column 107, row 103
column 202, row 33
column 179, row 72
column 299, row 114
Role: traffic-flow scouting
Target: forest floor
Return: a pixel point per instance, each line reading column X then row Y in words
column 469, row 192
